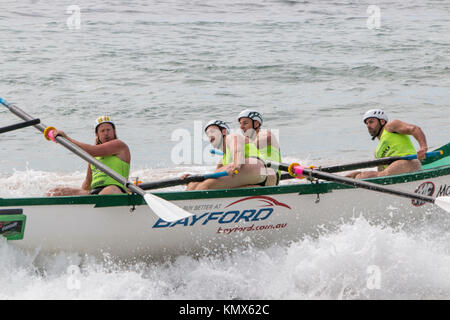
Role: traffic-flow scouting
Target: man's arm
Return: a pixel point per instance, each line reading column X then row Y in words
column 114, row 147
column 109, row 148
column 398, row 126
column 235, row 144
column 88, row 180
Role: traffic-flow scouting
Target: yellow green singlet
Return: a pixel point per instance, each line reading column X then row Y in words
column 250, row 151
column 101, row 179
column 394, row 145
column 270, row 154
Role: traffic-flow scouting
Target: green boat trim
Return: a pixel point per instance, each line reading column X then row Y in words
column 431, row 162
column 439, row 167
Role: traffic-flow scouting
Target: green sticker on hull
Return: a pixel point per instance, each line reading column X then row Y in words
column 12, row 224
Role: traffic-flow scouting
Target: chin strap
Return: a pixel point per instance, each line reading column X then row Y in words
column 381, row 128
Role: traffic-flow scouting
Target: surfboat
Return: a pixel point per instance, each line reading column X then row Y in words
column 123, row 226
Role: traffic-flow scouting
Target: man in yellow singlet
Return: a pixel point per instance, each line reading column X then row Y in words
column 250, row 122
column 394, row 141
column 240, row 160
column 109, row 150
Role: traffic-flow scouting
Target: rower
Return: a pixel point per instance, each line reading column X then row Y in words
column 250, row 122
column 110, row 151
column 394, row 141
column 240, row 160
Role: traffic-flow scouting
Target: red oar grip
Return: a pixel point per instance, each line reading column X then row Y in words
column 48, row 133
column 296, row 170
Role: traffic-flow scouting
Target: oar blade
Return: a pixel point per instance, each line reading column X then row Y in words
column 164, row 209
column 443, row 202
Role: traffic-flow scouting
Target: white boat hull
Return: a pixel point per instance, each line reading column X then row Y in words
column 261, row 217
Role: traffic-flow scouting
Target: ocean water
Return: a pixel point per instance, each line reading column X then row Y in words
column 162, row 69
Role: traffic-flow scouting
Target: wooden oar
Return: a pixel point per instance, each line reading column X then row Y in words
column 178, row 181
column 300, row 171
column 164, row 209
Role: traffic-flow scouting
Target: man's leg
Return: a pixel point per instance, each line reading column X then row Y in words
column 66, row 191
column 401, row 166
column 397, row 167
column 112, row 189
column 249, row 174
column 192, row 186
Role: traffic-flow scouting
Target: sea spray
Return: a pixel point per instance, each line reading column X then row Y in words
column 360, row 261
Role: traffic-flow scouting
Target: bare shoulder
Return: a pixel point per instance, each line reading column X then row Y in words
column 115, row 147
column 394, row 125
column 123, row 152
column 123, row 146
column 117, row 143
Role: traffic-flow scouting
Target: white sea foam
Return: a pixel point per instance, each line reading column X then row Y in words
column 360, row 261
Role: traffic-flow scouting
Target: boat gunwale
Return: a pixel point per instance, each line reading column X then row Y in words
column 299, row 188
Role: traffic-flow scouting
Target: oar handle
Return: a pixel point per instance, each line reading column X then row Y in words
column 217, row 152
column 20, row 125
column 177, row 181
column 215, row 175
column 428, row 154
column 21, row 114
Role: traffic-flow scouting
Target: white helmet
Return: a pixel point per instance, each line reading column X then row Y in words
column 375, row 113
column 103, row 119
column 252, row 114
column 221, row 124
